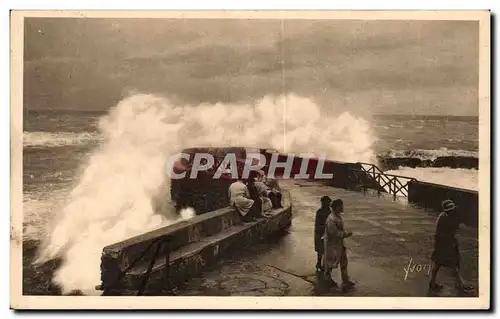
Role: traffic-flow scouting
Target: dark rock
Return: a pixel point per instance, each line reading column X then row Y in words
column 392, row 163
column 456, row 162
column 426, row 163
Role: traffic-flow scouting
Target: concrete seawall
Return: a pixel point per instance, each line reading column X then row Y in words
column 430, row 196
column 421, row 194
column 206, row 194
column 179, row 252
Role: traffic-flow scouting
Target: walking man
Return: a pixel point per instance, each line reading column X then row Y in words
column 335, row 250
column 319, row 230
column 446, row 253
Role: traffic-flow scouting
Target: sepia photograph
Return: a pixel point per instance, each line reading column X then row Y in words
column 162, row 160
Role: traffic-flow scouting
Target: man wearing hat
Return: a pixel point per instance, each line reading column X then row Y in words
column 319, row 230
column 446, row 253
column 335, row 254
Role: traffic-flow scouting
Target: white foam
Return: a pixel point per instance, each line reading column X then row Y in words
column 56, row 139
column 113, row 199
column 429, row 154
column 457, row 177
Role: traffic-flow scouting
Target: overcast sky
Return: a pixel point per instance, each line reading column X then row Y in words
column 380, row 67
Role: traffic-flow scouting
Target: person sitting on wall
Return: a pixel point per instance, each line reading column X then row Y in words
column 239, row 198
column 254, row 195
column 264, row 191
column 446, row 252
column 274, row 190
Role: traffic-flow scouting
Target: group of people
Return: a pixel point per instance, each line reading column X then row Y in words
column 255, row 197
column 329, row 235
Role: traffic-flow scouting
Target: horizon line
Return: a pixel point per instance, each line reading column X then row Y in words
column 376, row 114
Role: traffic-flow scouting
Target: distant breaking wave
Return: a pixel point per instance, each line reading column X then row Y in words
column 442, row 157
column 432, row 155
column 57, row 139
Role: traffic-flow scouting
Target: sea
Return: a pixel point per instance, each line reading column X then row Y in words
column 85, row 169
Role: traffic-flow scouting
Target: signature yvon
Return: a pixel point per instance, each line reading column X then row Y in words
column 414, row 267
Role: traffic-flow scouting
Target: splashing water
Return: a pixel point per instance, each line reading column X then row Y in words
column 124, row 177
column 454, row 177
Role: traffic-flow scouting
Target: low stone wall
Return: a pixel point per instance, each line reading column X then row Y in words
column 202, row 194
column 206, row 194
column 117, row 257
column 190, row 264
column 193, row 244
column 430, row 196
column 342, row 177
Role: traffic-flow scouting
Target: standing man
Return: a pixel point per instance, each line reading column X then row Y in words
column 335, row 251
column 319, row 230
column 446, row 253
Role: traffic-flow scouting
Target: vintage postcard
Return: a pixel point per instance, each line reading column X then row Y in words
column 281, row 159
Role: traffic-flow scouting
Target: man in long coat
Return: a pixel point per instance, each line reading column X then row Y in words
column 446, row 253
column 319, row 230
column 335, row 250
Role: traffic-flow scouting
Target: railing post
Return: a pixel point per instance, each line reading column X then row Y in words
column 378, row 183
column 166, row 269
column 394, row 192
column 382, row 180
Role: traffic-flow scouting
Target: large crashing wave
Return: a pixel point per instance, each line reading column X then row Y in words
column 113, row 199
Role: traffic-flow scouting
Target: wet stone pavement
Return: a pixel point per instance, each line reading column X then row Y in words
column 388, row 252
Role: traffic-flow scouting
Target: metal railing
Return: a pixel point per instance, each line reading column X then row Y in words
column 161, row 247
column 371, row 176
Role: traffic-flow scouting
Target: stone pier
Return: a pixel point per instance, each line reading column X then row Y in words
column 388, row 253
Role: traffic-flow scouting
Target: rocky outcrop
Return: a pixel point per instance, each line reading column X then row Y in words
column 456, row 162
column 393, row 163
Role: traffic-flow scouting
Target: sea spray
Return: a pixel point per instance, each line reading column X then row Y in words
column 454, row 177
column 118, row 191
